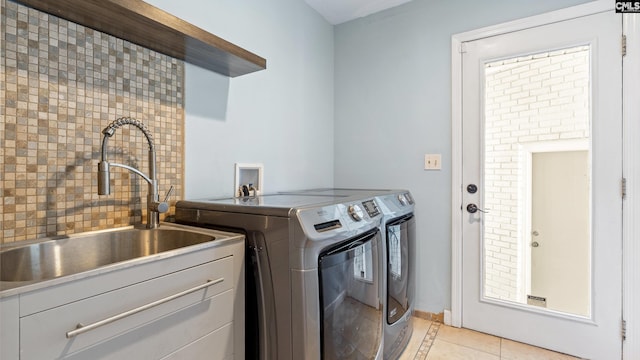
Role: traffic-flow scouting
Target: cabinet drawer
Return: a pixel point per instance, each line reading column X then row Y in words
column 153, row 332
column 217, row 345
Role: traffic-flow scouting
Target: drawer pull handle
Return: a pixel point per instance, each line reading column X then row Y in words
column 84, row 328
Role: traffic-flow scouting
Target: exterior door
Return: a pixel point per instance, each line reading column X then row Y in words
column 556, row 82
column 559, row 236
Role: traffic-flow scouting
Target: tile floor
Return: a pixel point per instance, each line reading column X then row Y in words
column 433, row 341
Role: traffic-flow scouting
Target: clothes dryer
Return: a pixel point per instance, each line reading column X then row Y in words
column 398, row 227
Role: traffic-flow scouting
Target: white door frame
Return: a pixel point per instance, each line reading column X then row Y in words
column 631, row 119
column 631, row 171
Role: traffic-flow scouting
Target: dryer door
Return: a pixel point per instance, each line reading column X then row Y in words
column 351, row 307
column 399, row 277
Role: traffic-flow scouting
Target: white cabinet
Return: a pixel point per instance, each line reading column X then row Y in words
column 189, row 306
column 9, row 327
column 207, row 347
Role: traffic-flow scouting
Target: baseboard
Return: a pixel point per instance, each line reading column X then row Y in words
column 429, row 316
column 447, row 317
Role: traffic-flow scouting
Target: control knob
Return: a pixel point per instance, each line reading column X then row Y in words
column 355, row 212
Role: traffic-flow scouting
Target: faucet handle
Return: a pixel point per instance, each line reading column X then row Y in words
column 166, row 198
column 160, row 207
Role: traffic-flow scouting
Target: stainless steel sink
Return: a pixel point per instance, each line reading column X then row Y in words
column 78, row 253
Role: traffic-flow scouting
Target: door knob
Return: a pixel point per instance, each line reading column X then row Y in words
column 535, row 244
column 472, row 188
column 473, row 208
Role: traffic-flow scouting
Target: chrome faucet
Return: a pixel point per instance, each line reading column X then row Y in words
column 154, row 206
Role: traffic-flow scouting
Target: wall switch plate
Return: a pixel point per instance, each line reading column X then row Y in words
column 432, row 161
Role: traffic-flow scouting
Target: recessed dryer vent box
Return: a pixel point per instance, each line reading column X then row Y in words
column 249, row 176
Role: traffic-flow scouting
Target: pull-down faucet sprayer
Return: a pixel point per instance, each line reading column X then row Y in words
column 154, row 206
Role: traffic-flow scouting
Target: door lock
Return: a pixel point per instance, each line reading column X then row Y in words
column 472, row 188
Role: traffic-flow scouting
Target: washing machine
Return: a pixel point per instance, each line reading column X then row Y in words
column 398, row 229
column 314, row 275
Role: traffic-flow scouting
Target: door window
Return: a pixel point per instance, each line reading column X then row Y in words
column 536, row 227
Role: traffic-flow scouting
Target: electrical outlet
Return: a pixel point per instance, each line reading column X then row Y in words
column 432, row 161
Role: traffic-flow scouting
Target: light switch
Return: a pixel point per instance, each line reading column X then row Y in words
column 432, row 161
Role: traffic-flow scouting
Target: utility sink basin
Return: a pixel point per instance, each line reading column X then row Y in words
column 73, row 254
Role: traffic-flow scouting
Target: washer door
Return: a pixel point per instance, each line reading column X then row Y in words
column 350, row 304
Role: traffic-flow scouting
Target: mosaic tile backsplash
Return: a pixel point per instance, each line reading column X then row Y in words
column 63, row 83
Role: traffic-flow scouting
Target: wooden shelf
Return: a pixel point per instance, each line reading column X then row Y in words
column 155, row 29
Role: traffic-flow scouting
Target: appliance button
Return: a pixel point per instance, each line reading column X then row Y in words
column 355, row 212
column 409, row 198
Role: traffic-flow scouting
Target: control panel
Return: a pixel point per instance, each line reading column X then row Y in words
column 371, row 207
column 330, row 220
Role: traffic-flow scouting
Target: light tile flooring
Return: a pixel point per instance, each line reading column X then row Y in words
column 433, row 341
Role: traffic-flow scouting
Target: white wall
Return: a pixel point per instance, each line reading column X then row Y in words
column 281, row 117
column 393, row 105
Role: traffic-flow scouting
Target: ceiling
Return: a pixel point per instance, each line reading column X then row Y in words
column 339, row 11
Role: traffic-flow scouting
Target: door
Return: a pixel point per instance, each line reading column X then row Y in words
column 555, row 82
column 559, row 235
